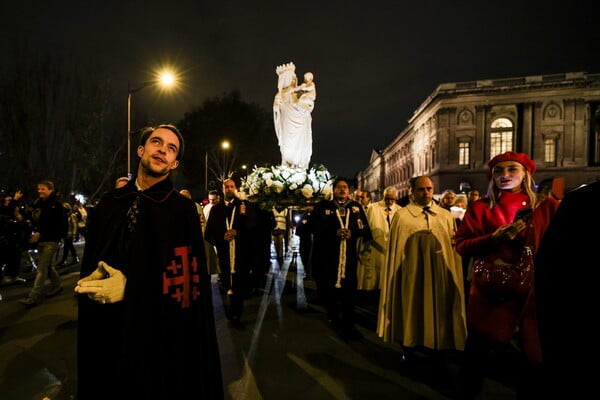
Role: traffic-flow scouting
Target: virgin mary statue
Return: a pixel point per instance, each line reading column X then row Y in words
column 292, row 109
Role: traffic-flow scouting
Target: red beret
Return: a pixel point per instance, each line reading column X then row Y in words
column 521, row 158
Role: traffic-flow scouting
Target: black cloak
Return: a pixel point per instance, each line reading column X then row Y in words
column 160, row 341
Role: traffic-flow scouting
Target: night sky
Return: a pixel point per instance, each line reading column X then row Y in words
column 374, row 62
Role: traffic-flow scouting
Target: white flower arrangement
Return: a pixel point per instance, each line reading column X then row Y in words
column 281, row 185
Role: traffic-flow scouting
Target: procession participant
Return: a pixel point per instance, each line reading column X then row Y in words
column 422, row 299
column 146, row 326
column 336, row 226
column 232, row 228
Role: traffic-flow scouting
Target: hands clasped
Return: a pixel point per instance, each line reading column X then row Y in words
column 509, row 231
column 344, row 233
column 105, row 285
column 230, row 234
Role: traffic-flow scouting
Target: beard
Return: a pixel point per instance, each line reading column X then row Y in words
column 147, row 167
column 229, row 196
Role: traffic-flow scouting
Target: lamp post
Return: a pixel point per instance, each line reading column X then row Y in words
column 220, row 165
column 225, row 145
column 129, row 93
column 165, row 79
column 206, row 173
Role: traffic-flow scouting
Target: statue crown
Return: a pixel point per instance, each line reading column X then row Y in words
column 285, row 68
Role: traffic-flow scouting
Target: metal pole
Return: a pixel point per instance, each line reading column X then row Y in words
column 206, row 173
column 129, row 134
column 130, row 91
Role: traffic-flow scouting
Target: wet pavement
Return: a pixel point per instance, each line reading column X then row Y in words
column 285, row 349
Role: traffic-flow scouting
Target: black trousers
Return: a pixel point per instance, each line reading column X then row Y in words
column 68, row 248
column 339, row 303
column 236, row 287
column 477, row 362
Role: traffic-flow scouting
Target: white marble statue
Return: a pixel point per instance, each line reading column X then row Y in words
column 292, row 116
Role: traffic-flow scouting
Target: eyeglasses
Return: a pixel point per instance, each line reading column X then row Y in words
column 390, row 198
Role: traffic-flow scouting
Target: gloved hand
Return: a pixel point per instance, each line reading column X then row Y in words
column 105, row 285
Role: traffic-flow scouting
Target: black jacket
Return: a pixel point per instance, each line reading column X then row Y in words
column 50, row 219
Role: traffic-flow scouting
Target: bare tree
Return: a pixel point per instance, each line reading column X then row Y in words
column 55, row 122
column 248, row 127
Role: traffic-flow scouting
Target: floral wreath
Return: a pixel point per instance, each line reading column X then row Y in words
column 280, row 185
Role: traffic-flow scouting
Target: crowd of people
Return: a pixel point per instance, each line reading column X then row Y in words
column 32, row 234
column 150, row 252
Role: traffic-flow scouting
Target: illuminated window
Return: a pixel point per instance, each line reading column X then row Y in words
column 501, row 136
column 550, row 151
column 464, row 153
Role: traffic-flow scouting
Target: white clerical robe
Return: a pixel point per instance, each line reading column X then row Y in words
column 421, row 302
column 372, row 253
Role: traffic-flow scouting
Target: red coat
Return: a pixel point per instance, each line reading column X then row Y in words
column 499, row 318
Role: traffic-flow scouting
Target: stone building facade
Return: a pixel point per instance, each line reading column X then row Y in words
column 555, row 119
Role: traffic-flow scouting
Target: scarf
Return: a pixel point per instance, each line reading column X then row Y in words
column 342, row 262
column 228, row 226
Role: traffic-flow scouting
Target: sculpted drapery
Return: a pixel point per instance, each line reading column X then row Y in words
column 292, row 109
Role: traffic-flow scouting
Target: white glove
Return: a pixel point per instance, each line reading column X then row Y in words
column 105, row 285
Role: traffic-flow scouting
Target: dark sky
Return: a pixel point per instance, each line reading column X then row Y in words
column 374, row 61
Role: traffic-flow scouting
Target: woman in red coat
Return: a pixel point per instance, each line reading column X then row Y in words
column 489, row 229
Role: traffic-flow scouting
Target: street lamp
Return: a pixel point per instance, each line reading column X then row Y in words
column 219, row 167
column 164, row 79
column 225, row 145
column 245, row 172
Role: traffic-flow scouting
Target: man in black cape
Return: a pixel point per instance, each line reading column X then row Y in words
column 234, row 228
column 337, row 224
column 146, row 326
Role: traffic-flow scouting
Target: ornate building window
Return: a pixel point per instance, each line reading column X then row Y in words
column 501, row 136
column 464, row 153
column 550, row 152
column 550, row 147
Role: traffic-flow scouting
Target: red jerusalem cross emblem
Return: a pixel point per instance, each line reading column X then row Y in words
column 181, row 280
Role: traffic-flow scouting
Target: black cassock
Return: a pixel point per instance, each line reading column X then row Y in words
column 160, row 341
column 337, row 292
